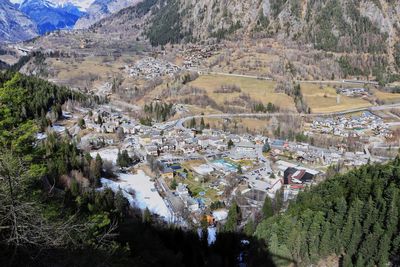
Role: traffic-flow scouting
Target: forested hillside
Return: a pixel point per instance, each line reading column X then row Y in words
column 354, row 216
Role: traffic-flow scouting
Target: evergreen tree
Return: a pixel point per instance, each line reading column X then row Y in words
column 250, row 227
column 325, row 245
column 266, row 147
column 121, row 204
column 192, row 123
column 202, row 124
column 123, row 159
column 99, row 120
column 233, row 217
column 278, row 201
column 347, row 261
column 267, row 209
column 81, row 123
column 230, row 144
column 147, row 217
column 174, row 184
column 98, row 168
column 239, row 169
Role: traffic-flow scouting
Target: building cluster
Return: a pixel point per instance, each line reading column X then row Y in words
column 194, row 54
column 304, row 153
column 212, row 159
column 190, row 203
column 355, row 125
column 353, row 92
column 209, row 142
column 106, row 120
column 150, row 68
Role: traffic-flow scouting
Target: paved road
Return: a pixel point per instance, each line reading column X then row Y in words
column 392, row 124
column 174, row 203
column 207, row 71
column 180, row 122
column 385, row 107
column 262, row 158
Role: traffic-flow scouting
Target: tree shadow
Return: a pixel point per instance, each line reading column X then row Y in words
column 145, row 244
column 172, row 246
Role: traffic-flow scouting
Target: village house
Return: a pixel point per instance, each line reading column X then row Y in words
column 294, row 175
column 128, row 128
column 245, row 147
column 167, row 173
column 157, row 140
column 182, row 190
column 144, row 140
column 151, row 150
column 203, row 141
column 189, row 148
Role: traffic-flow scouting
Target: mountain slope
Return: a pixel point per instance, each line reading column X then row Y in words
column 342, row 26
column 14, row 25
column 49, row 16
column 100, row 9
column 334, row 25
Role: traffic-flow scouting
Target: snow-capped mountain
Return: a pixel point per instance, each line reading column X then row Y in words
column 100, row 9
column 82, row 5
column 14, row 25
column 51, row 15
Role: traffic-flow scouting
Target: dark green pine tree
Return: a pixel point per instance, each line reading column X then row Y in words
column 192, row 123
column 278, row 201
column 202, row 124
column 314, row 236
column 370, row 214
column 348, row 228
column 121, row 204
column 355, row 239
column 147, row 217
column 230, row 144
column 239, row 169
column 360, row 262
column 98, row 166
column 383, row 250
column 266, row 147
column 347, row 261
column 233, row 217
column 325, row 246
column 119, row 158
column 250, row 227
column 267, row 209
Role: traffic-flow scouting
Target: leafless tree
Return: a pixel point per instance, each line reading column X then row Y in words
column 22, row 223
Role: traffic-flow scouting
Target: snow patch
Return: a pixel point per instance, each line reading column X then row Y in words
column 145, row 194
column 212, row 235
column 220, row 215
column 109, row 154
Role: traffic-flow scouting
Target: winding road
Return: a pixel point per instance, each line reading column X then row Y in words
column 179, row 123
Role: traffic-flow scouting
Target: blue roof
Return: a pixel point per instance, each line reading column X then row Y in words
column 175, row 167
column 278, row 142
